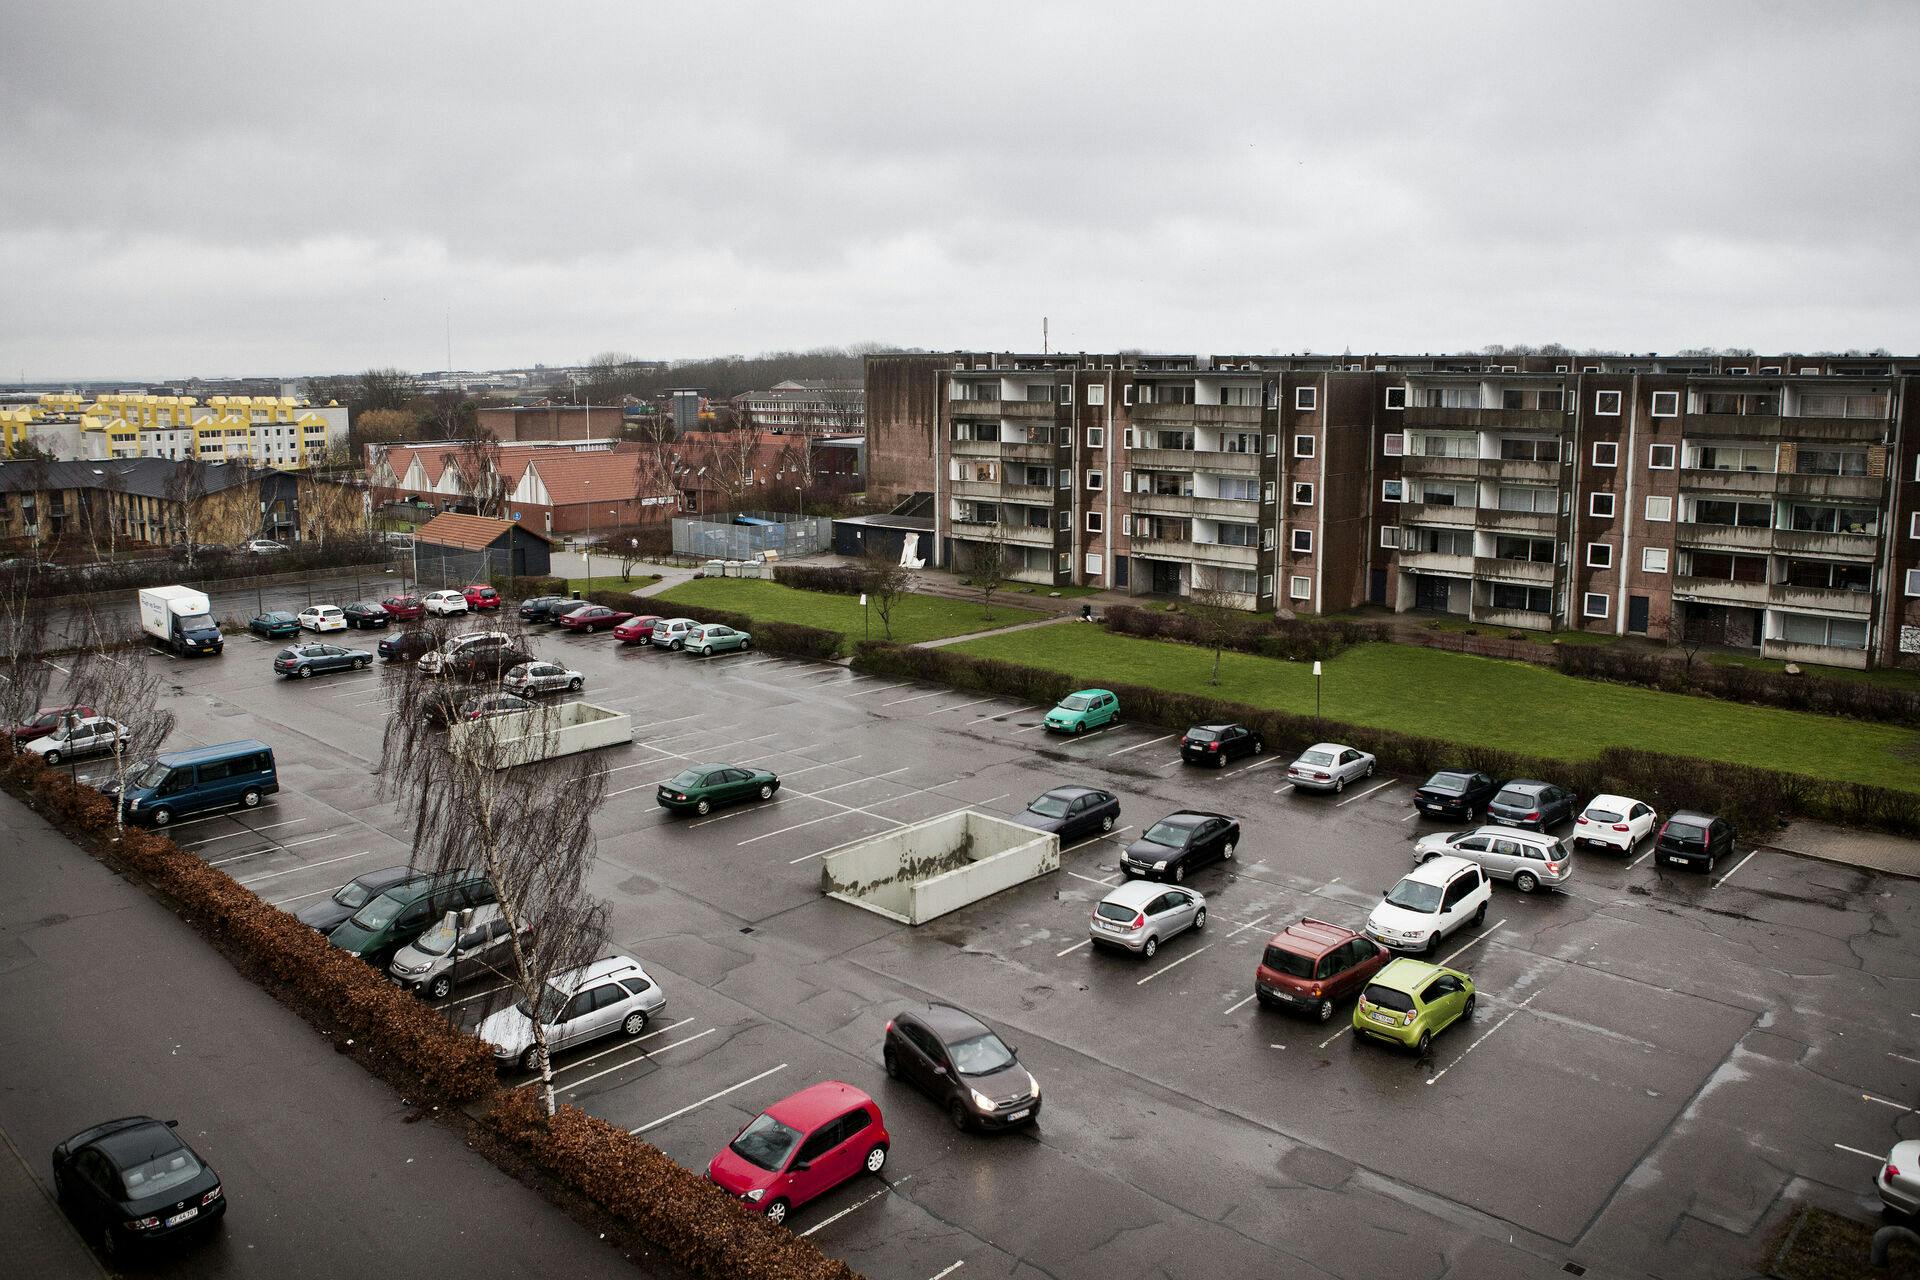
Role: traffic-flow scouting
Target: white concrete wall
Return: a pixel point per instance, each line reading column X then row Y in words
column 878, row 873
column 545, row 733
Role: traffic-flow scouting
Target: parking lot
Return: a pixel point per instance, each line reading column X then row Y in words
column 1659, row 1061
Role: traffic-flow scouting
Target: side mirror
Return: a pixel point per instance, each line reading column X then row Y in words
column 1383, row 893
column 801, row 1166
column 173, row 1124
column 940, row 1071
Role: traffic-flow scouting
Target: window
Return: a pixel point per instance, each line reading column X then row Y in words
column 1595, row 605
column 1066, row 393
column 1303, row 541
column 1913, row 582
column 1266, row 539
column 1129, row 439
column 1396, row 397
column 1066, row 562
column 1126, row 482
column 1606, row 403
column 1302, row 495
column 1660, row 457
column 1666, row 404
column 1126, row 525
column 1589, row 368
column 1306, row 397
column 1738, row 368
column 1095, row 480
column 1653, row 559
column 1239, row 488
column 1066, row 519
column 1913, row 529
column 1235, row 535
column 1390, row 490
column 1769, row 368
column 1094, row 563
column 1599, row 555
column 1300, row 588
column 1559, row 368
column 1600, row 504
column 1096, row 437
column 1389, row 536
column 1093, row 522
column 1273, row 445
column 1266, row 585
column 1393, row 444
column 1302, row 446
column 1659, row 508
column 1126, row 394
column 1606, row 453
column 1266, row 493
column 1096, row 394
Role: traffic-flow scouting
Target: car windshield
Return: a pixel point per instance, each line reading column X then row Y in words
column 352, row 895
column 1605, row 815
column 151, row 774
column 1169, row 835
column 1203, row 735
column 766, row 1142
column 1686, row 830
column 1050, row 806
column 1316, row 757
column 552, row 1001
column 288, row 653
column 1075, row 703
column 1115, row 911
column 1388, row 998
column 379, row 913
column 161, row 1174
column 1416, row 895
column 1291, row 963
column 438, row 940
column 1512, row 796
column 1451, row 783
column 983, row 1055
column 687, row 778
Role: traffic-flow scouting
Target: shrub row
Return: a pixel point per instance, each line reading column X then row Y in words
column 705, row 1229
column 786, row 639
column 1860, row 700
column 517, row 589
column 1755, row 800
column 1297, row 639
column 219, row 566
column 839, row 579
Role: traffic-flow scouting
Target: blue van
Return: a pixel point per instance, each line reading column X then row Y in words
column 177, row 783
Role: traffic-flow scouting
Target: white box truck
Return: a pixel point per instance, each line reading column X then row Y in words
column 181, row 619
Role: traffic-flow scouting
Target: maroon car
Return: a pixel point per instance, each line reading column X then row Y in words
column 637, row 629
column 404, row 608
column 1310, row 965
column 45, row 722
column 594, row 617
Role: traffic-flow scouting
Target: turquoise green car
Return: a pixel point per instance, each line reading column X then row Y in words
column 1410, row 1002
column 713, row 638
column 1079, row 712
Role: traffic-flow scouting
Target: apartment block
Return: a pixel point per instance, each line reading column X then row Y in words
column 1768, row 504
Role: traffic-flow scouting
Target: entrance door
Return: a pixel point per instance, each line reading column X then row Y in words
column 1637, row 614
column 1430, row 592
column 1166, row 578
column 1377, row 587
column 1120, row 571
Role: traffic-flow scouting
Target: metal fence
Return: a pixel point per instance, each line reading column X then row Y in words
column 784, row 533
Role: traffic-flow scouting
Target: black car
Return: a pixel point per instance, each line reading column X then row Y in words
column 1215, row 744
column 1179, row 843
column 1689, row 839
column 486, row 662
column 1525, row 802
column 367, row 614
column 541, row 608
column 327, row 914
column 408, row 645
column 303, row 661
column 959, row 1062
column 132, row 1182
column 1456, row 793
column 1072, row 812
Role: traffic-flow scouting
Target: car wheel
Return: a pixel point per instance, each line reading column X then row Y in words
column 1200, row 918
column 876, row 1159
column 676, row 645
column 1258, row 747
column 958, row 1114
column 573, row 685
column 109, row 1243
column 1525, row 882
column 635, row 1023
column 1369, row 768
column 1106, row 823
column 1220, row 762
column 1466, row 1010
column 777, row 1212
column 1339, row 785
column 1179, row 872
column 706, row 651
column 766, row 792
column 745, row 645
column 440, row 988
column 704, row 808
column 1426, row 1043
column 360, row 664
column 1480, row 916
column 1150, row 946
column 52, row 757
column 892, row 1064
column 1079, row 728
column 530, row 1060
column 1226, row 852
column 306, row 673
column 1710, row 861
column 1325, row 1010
column 161, row 817
column 250, row 798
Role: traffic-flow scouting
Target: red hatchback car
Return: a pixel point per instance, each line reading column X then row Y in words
column 594, row 617
column 481, row 597
column 404, row 608
column 44, row 722
column 637, row 629
column 1311, row 965
column 802, row 1147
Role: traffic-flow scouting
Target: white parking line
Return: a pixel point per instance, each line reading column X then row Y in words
column 885, row 1187
column 1090, row 880
column 1243, row 928
column 1642, row 858
column 1410, row 817
column 1435, row 1078
column 249, row 831
column 300, row 897
column 1476, row 942
column 1364, row 794
column 478, row 995
column 960, row 706
column 938, row 1275
column 1736, row 866
column 272, row 875
column 675, row 1115
column 995, row 715
column 273, row 848
column 1175, row 965
column 624, row 1044
column 1263, row 764
column 1345, row 1027
column 1136, row 746
column 882, row 688
column 810, row 768
column 872, row 777
column 1084, row 942
column 1236, row 1004
column 1887, row 1102
column 1030, row 728
column 916, row 697
column 1278, row 790
column 1871, row 1155
column 1903, row 1057
column 584, row 1081
column 742, row 811
column 1097, row 839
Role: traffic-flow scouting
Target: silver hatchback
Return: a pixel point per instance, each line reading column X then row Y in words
column 542, row 677
column 1527, row 858
column 464, row 945
column 607, row 997
column 1141, row 914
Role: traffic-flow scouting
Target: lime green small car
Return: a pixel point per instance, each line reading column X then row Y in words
column 1079, row 712
column 1410, row 1001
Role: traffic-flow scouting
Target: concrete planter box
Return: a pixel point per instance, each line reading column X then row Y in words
column 544, row 733
column 922, row 872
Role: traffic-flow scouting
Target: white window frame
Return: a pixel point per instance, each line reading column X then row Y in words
column 1587, row 605
column 1653, row 456
column 1671, row 400
column 1913, row 529
column 1603, row 398
column 1654, row 559
column 1612, row 455
column 1266, row 586
column 1266, row 537
column 1126, row 394
column 1298, row 485
column 1126, row 523
column 1307, row 452
column 1126, row 482
column 1737, row 368
column 1594, row 500
column 1066, row 393
column 1299, row 587
column 1599, row 555
column 1096, row 437
column 1266, row 493
column 1092, row 564
column 1560, row 368
column 1666, row 508
column 1769, row 368
column 1589, row 368
column 1390, row 537
column 1096, row 395
column 1386, row 493
column 1306, row 397
column 1295, row 545
column 1913, row 584
column 1400, row 392
column 1394, row 444
column 1273, row 444
column 1096, row 480
column 1093, row 522
column 1128, row 438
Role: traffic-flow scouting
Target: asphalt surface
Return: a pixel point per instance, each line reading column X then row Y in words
column 111, row 1006
column 1661, row 1066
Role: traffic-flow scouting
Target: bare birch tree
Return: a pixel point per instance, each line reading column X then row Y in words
column 186, row 488
column 886, row 582
column 25, row 625
column 1217, row 619
column 477, row 462
column 988, row 566
column 115, row 675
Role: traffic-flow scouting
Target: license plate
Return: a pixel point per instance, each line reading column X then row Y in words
column 1020, row 1115
column 1676, row 859
column 179, row 1218
column 1108, row 926
column 1382, row 1018
column 1506, row 822
column 1429, row 807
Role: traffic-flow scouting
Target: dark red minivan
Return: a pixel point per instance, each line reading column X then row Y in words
column 801, row 1147
column 1312, row 965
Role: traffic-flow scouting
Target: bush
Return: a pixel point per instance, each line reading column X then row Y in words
column 839, row 579
column 785, row 639
column 1821, row 695
column 1296, row 639
column 527, row 588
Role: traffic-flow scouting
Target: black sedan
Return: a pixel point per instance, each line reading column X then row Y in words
column 1215, row 744
column 1180, row 843
column 132, row 1182
column 1072, row 812
column 408, row 645
column 327, row 914
column 304, row 661
column 957, row 1060
column 274, row 625
column 367, row 614
column 543, row 608
column 1525, row 802
column 1456, row 793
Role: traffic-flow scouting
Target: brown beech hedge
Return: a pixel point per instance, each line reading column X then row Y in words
column 784, row 639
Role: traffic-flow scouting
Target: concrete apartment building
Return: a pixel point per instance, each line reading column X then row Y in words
column 262, row 431
column 1768, row 503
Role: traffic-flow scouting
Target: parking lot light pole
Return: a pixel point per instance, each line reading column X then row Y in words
column 1316, row 689
column 866, row 616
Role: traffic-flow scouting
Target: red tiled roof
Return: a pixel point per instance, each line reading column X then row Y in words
column 469, row 533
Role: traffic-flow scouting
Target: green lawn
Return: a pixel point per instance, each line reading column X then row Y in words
column 612, row 582
column 1547, row 638
column 915, row 617
column 1517, row 706
column 1886, row 676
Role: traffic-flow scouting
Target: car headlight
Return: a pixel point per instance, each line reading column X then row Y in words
column 1160, row 865
column 981, row 1100
column 133, row 804
column 757, row 1194
column 1036, row 1086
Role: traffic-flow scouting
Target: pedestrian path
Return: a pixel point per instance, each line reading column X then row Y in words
column 38, row 1240
column 997, row 631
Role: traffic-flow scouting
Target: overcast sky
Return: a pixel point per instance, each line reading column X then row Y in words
column 253, row 187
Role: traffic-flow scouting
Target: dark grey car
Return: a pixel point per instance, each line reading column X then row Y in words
column 1526, row 802
column 332, row 911
column 1072, row 812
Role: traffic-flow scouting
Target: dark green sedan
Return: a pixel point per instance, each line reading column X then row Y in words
column 274, row 625
column 704, row 787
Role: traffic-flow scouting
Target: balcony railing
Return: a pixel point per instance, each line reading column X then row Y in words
column 1517, row 521
column 1705, row 480
column 1819, row 654
column 1198, row 552
column 1438, row 513
column 1000, row 409
column 1163, row 504
column 1487, row 419
column 1423, row 465
column 1798, row 485
column 975, row 448
column 1787, row 595
column 1822, row 543
column 1532, row 572
column 1758, row 426
column 1746, row 595
column 1436, row 562
column 1205, row 415
column 974, row 488
column 1724, row 536
column 1520, row 469
column 1194, row 460
column 1519, row 619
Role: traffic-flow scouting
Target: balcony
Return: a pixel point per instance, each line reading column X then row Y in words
column 976, row 448
column 1022, row 451
column 1744, row 595
column 1499, row 521
column 1487, row 419
column 1419, row 465
column 1000, row 409
column 1760, row 426
column 974, row 488
column 1536, row 573
column 1520, row 469
column 1786, row 595
column 1164, row 504
column 1793, row 541
column 1438, row 513
column 1865, row 488
column 1436, row 562
column 1702, row 480
column 1194, row 460
column 1204, row 415
column 1198, row 552
column 1032, row 494
column 1823, row 655
column 1518, row 619
column 1017, row 535
column 1724, row 537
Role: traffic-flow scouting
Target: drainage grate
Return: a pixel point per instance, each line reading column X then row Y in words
column 1574, row 1269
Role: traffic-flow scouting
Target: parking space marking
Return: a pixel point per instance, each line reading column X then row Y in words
column 740, row 812
column 584, row 1081
column 948, row 1271
column 1242, row 1000
column 1243, row 928
column 1097, row 839
column 1278, row 790
column 1871, row 1155
column 249, row 831
column 212, row 817
column 1345, row 1027
column 595, row 1057
column 885, row 1187
column 1888, row 1102
column 478, row 995
column 1136, row 746
column 1030, row 728
column 872, row 777
column 882, row 688
column 1435, row 1078
column 960, row 707
column 732, row 1088
column 1263, row 764
column 1642, row 858
column 1084, row 942
column 1736, row 866
column 1903, row 1057
column 298, row 897
column 1090, row 880
column 274, row 875
column 274, row 848
column 810, row 768
column 1175, row 965
column 995, row 715
column 1364, row 794
column 1476, row 942
column 1410, row 817
column 916, row 697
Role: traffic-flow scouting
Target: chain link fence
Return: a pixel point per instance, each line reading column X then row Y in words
column 748, row 534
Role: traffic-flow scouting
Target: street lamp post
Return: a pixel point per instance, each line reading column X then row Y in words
column 1316, row 689
column 866, row 616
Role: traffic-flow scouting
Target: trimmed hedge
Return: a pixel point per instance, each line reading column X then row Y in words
column 1755, row 800
column 527, row 588
column 1861, row 700
column 785, row 639
column 705, row 1229
column 1296, row 639
column 838, row 580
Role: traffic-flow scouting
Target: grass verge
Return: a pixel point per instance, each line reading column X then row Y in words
column 915, row 617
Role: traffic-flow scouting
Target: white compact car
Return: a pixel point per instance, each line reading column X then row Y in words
column 1439, row 897
column 84, row 736
column 1328, row 766
column 604, row 998
column 445, row 604
column 323, row 617
column 1613, row 822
